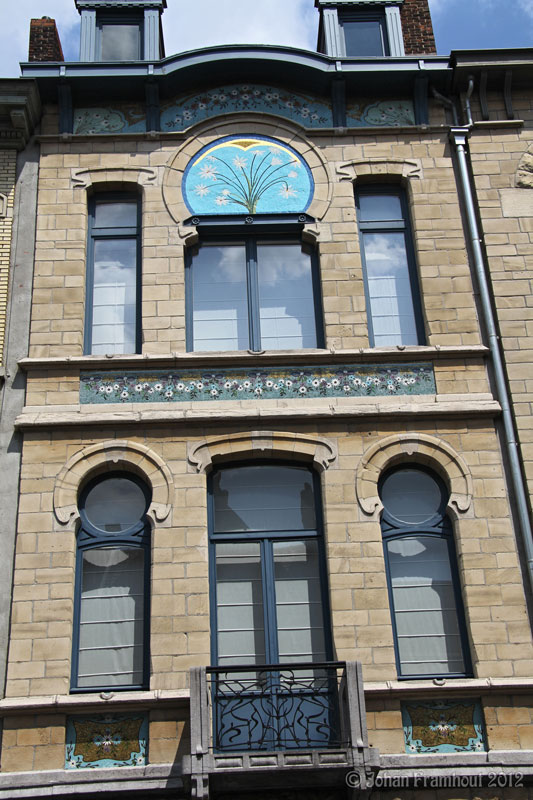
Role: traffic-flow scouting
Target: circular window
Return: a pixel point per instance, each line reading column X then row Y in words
column 412, row 495
column 115, row 504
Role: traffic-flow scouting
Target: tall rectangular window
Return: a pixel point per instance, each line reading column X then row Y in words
column 119, row 40
column 113, row 294
column 389, row 270
column 252, row 293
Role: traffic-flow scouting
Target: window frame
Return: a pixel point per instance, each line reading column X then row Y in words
column 377, row 15
column 266, row 539
column 97, row 234
column 438, row 526
column 250, row 239
column 138, row 536
column 132, row 20
column 391, row 226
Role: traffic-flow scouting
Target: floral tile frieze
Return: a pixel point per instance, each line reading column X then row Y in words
column 106, row 740
column 444, row 727
column 158, row 386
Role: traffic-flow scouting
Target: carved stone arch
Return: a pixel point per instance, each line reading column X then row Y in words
column 208, row 131
column 262, row 444
column 413, row 448
column 86, row 178
column 111, row 456
column 524, row 172
column 379, row 167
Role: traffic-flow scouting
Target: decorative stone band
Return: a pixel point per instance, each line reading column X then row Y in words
column 244, row 384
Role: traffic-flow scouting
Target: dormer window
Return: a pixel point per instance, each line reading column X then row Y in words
column 364, row 34
column 119, row 40
column 360, row 28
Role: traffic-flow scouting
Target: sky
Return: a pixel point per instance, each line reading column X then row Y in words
column 458, row 24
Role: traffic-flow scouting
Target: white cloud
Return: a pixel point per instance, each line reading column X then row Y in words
column 187, row 26
column 15, row 30
column 527, row 6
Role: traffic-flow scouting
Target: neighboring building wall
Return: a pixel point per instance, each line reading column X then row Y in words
column 417, row 27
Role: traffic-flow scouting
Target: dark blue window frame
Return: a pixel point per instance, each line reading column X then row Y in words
column 266, row 539
column 89, row 538
column 124, row 232
column 440, row 527
column 402, row 225
column 111, row 19
column 365, row 16
column 240, row 235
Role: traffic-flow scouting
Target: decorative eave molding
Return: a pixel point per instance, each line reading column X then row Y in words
column 112, row 4
column 348, row 3
column 20, row 111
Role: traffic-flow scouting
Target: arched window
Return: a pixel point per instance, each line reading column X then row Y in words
column 425, row 597
column 110, row 643
column 269, row 607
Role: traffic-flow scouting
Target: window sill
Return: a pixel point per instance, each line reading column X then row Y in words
column 75, row 702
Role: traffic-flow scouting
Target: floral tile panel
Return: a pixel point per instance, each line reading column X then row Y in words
column 312, row 112
column 382, row 113
column 451, row 727
column 119, row 118
column 235, row 175
column 246, row 384
column 106, row 740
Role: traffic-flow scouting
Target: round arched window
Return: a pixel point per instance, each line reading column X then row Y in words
column 114, row 504
column 413, row 496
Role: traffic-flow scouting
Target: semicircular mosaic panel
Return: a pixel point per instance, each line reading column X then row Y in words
column 252, row 174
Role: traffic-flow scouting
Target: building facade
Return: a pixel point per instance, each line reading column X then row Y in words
column 274, row 531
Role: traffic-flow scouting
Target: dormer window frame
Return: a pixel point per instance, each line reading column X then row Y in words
column 131, row 20
column 334, row 13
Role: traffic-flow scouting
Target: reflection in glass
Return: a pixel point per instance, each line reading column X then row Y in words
column 115, row 504
column 114, row 296
column 380, row 207
column 115, row 215
column 220, row 308
column 120, row 42
column 298, row 601
column 425, row 610
column 411, row 495
column 287, row 312
column 240, row 613
column 263, row 498
column 111, row 618
column 364, row 37
column 389, row 289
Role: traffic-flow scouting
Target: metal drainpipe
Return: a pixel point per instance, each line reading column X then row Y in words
column 458, row 137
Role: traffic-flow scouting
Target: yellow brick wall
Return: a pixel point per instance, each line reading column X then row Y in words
column 8, row 159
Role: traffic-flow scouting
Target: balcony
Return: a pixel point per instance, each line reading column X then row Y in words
column 292, row 725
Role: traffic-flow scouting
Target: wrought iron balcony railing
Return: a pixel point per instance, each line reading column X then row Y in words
column 303, row 724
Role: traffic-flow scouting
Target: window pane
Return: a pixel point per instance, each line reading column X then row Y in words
column 389, row 289
column 379, row 207
column 111, row 639
column 120, row 42
column 115, row 215
column 220, row 298
column 115, row 504
column 425, row 611
column 114, row 296
column 363, row 37
column 287, row 311
column 298, row 602
column 264, row 498
column 411, row 495
column 240, row 615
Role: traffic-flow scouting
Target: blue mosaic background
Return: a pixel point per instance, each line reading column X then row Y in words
column 438, row 727
column 106, row 740
column 253, row 175
column 312, row 112
column 307, row 110
column 119, row 118
column 245, row 384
